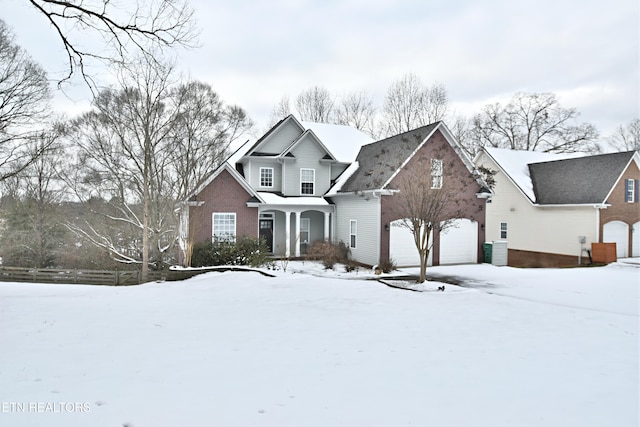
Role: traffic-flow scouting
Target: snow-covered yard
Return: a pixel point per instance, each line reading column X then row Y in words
column 511, row 347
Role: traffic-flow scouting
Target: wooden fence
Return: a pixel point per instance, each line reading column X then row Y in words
column 89, row 277
column 104, row 277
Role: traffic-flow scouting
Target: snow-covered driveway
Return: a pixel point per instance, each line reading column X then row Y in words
column 523, row 348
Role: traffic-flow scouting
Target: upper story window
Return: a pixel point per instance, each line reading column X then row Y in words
column 266, row 177
column 224, row 226
column 436, row 173
column 307, row 181
column 631, row 190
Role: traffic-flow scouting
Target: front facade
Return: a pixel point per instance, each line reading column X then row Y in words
column 550, row 208
column 299, row 184
column 273, row 189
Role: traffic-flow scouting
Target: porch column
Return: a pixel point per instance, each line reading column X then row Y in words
column 298, row 233
column 287, row 234
column 327, row 215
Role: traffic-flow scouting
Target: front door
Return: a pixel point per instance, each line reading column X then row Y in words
column 266, row 233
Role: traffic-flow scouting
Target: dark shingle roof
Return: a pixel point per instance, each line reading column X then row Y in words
column 378, row 161
column 581, row 180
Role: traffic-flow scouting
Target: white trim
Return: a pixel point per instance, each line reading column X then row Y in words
column 307, row 182
column 272, row 178
column 353, row 244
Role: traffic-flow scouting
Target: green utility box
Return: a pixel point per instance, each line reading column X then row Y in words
column 487, row 248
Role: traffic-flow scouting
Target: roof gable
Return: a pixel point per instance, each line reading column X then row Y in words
column 583, row 180
column 379, row 162
column 226, row 166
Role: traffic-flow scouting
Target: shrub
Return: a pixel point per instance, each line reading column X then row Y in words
column 350, row 265
column 328, row 253
column 387, row 266
column 245, row 251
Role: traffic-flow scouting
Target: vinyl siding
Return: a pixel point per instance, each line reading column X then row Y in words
column 253, row 174
column 281, row 139
column 531, row 228
column 367, row 213
column 307, row 156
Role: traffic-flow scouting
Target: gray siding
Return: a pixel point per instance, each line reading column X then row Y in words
column 307, row 156
column 367, row 213
column 253, row 173
column 281, row 139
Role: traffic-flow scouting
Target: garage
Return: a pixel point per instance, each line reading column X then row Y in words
column 458, row 244
column 618, row 232
column 402, row 248
column 635, row 243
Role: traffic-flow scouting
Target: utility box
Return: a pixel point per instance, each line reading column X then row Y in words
column 486, row 249
column 499, row 253
column 604, row 253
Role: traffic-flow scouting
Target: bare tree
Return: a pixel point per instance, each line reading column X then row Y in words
column 146, row 143
column 315, row 105
column 430, row 198
column 357, row 110
column 144, row 26
column 281, row 110
column 24, row 104
column 33, row 235
column 534, row 122
column 409, row 105
column 626, row 138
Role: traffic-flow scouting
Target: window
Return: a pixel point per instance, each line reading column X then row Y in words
column 436, row 173
column 631, row 190
column 503, row 230
column 305, row 226
column 224, row 226
column 307, row 181
column 266, row 177
column 353, row 230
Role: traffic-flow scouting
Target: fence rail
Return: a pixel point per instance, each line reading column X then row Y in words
column 89, row 277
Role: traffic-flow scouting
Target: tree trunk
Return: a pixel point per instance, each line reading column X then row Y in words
column 424, row 256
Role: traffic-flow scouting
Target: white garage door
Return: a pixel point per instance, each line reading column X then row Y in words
column 402, row 248
column 618, row 232
column 459, row 243
column 635, row 244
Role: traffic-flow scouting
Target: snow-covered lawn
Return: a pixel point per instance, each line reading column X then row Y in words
column 536, row 347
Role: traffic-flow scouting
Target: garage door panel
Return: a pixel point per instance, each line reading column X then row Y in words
column 459, row 243
column 617, row 232
column 402, row 247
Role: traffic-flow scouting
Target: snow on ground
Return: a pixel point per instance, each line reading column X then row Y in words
column 510, row 347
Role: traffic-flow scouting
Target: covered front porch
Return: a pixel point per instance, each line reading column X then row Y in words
column 289, row 225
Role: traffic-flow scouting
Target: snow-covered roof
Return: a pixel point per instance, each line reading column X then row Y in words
column 343, row 142
column 276, row 199
column 515, row 163
column 350, row 170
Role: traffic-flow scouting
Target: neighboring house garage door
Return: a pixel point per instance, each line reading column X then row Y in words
column 402, row 248
column 459, row 243
column 618, row 232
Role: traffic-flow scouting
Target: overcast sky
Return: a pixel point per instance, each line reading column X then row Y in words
column 254, row 52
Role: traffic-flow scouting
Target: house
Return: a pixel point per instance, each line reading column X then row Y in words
column 551, row 207
column 368, row 215
column 299, row 183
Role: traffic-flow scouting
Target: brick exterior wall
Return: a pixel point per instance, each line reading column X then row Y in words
column 436, row 147
column 223, row 194
column 620, row 210
column 519, row 258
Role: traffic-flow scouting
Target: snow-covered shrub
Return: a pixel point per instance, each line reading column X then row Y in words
column 244, row 251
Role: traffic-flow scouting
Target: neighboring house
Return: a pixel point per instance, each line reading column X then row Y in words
column 550, row 207
column 299, row 183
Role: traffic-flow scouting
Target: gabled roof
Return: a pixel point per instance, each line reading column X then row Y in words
column 583, row 180
column 515, row 164
column 378, row 163
column 234, row 173
column 340, row 142
column 562, row 179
